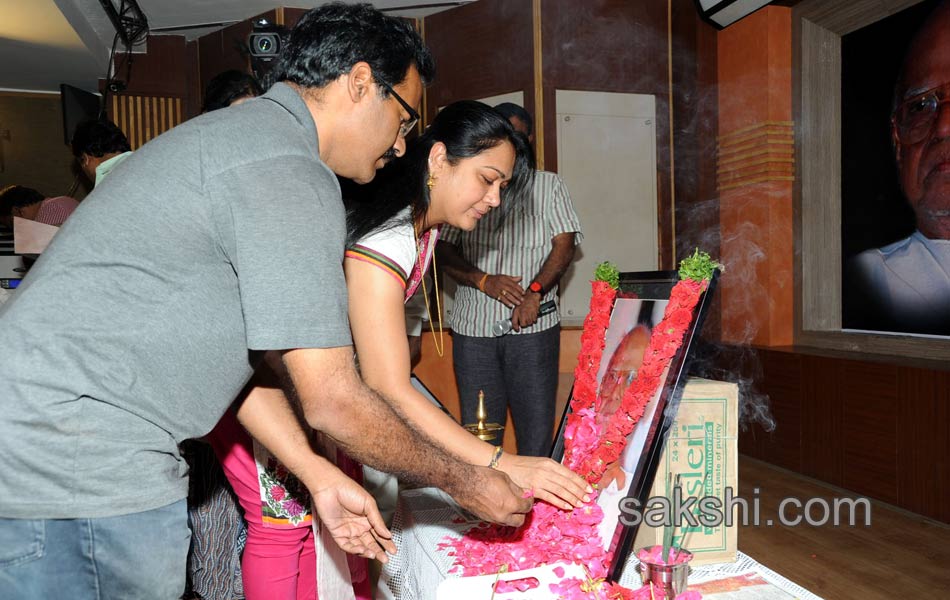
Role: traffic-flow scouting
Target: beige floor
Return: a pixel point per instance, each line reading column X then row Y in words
column 900, row 555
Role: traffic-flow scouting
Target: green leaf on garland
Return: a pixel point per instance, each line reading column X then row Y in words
column 698, row 267
column 608, row 272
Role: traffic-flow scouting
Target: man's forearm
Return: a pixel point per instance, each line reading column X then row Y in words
column 452, row 263
column 557, row 261
column 368, row 428
column 268, row 416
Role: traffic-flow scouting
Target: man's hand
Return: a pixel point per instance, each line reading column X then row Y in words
column 526, row 313
column 370, row 430
column 504, row 288
column 492, row 496
column 350, row 515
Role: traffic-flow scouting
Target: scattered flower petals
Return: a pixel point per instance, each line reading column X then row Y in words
column 654, row 556
column 517, row 585
column 553, row 535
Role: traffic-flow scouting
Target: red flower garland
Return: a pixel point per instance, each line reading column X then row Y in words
column 584, row 394
column 549, row 534
column 665, row 341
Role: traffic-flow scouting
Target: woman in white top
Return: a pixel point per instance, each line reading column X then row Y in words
column 468, row 162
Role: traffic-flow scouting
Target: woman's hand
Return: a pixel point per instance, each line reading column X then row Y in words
column 350, row 515
column 550, row 481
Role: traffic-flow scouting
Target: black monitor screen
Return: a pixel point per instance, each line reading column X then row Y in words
column 78, row 106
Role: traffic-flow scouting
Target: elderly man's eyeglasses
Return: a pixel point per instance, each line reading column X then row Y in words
column 915, row 117
column 406, row 126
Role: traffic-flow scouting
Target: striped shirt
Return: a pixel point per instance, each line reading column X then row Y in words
column 54, row 211
column 517, row 245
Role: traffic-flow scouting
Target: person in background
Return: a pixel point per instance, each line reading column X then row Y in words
column 193, row 264
column 506, row 268
column 99, row 146
column 230, row 88
column 905, row 286
column 218, row 532
column 27, row 203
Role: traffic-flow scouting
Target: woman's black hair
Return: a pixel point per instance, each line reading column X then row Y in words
column 228, row 86
column 467, row 128
column 330, row 39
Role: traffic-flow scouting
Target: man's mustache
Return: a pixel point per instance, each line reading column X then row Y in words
column 390, row 154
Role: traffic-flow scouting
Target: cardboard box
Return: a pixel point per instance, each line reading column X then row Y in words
column 701, row 446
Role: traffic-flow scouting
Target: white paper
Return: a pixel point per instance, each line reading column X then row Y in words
column 30, row 237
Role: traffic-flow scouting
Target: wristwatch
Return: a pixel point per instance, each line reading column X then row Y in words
column 536, row 287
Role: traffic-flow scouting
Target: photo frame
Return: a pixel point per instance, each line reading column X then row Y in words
column 817, row 30
column 877, row 218
column 639, row 306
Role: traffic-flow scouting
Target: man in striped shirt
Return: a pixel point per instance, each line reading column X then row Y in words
column 507, row 268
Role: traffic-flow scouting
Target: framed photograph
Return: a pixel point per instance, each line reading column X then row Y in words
column 843, row 103
column 640, row 304
column 895, row 255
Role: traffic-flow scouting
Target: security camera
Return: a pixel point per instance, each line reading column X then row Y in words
column 264, row 40
column 264, row 44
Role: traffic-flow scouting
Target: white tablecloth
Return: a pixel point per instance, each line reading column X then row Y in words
column 426, row 516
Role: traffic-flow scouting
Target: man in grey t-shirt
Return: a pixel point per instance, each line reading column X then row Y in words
column 213, row 245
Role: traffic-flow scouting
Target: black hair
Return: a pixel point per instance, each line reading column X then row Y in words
column 510, row 109
column 467, row 128
column 17, row 196
column 330, row 39
column 228, row 86
column 98, row 137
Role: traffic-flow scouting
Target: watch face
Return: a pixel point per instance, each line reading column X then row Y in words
column 535, row 287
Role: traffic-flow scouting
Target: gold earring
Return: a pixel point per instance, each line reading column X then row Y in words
column 430, row 183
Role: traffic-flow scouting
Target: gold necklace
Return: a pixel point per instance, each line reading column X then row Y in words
column 438, row 342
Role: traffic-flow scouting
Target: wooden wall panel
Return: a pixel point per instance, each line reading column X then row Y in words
column 32, row 150
column 288, row 17
column 620, row 46
column 161, row 71
column 876, row 429
column 485, row 48
column 480, row 49
column 223, row 50
column 821, row 419
column 869, row 428
column 143, row 118
column 923, row 442
column 782, row 374
column 193, row 80
column 165, row 71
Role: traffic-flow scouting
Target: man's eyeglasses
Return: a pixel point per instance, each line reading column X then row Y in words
column 915, row 117
column 406, row 126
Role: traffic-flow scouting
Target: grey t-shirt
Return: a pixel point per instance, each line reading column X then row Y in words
column 137, row 327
